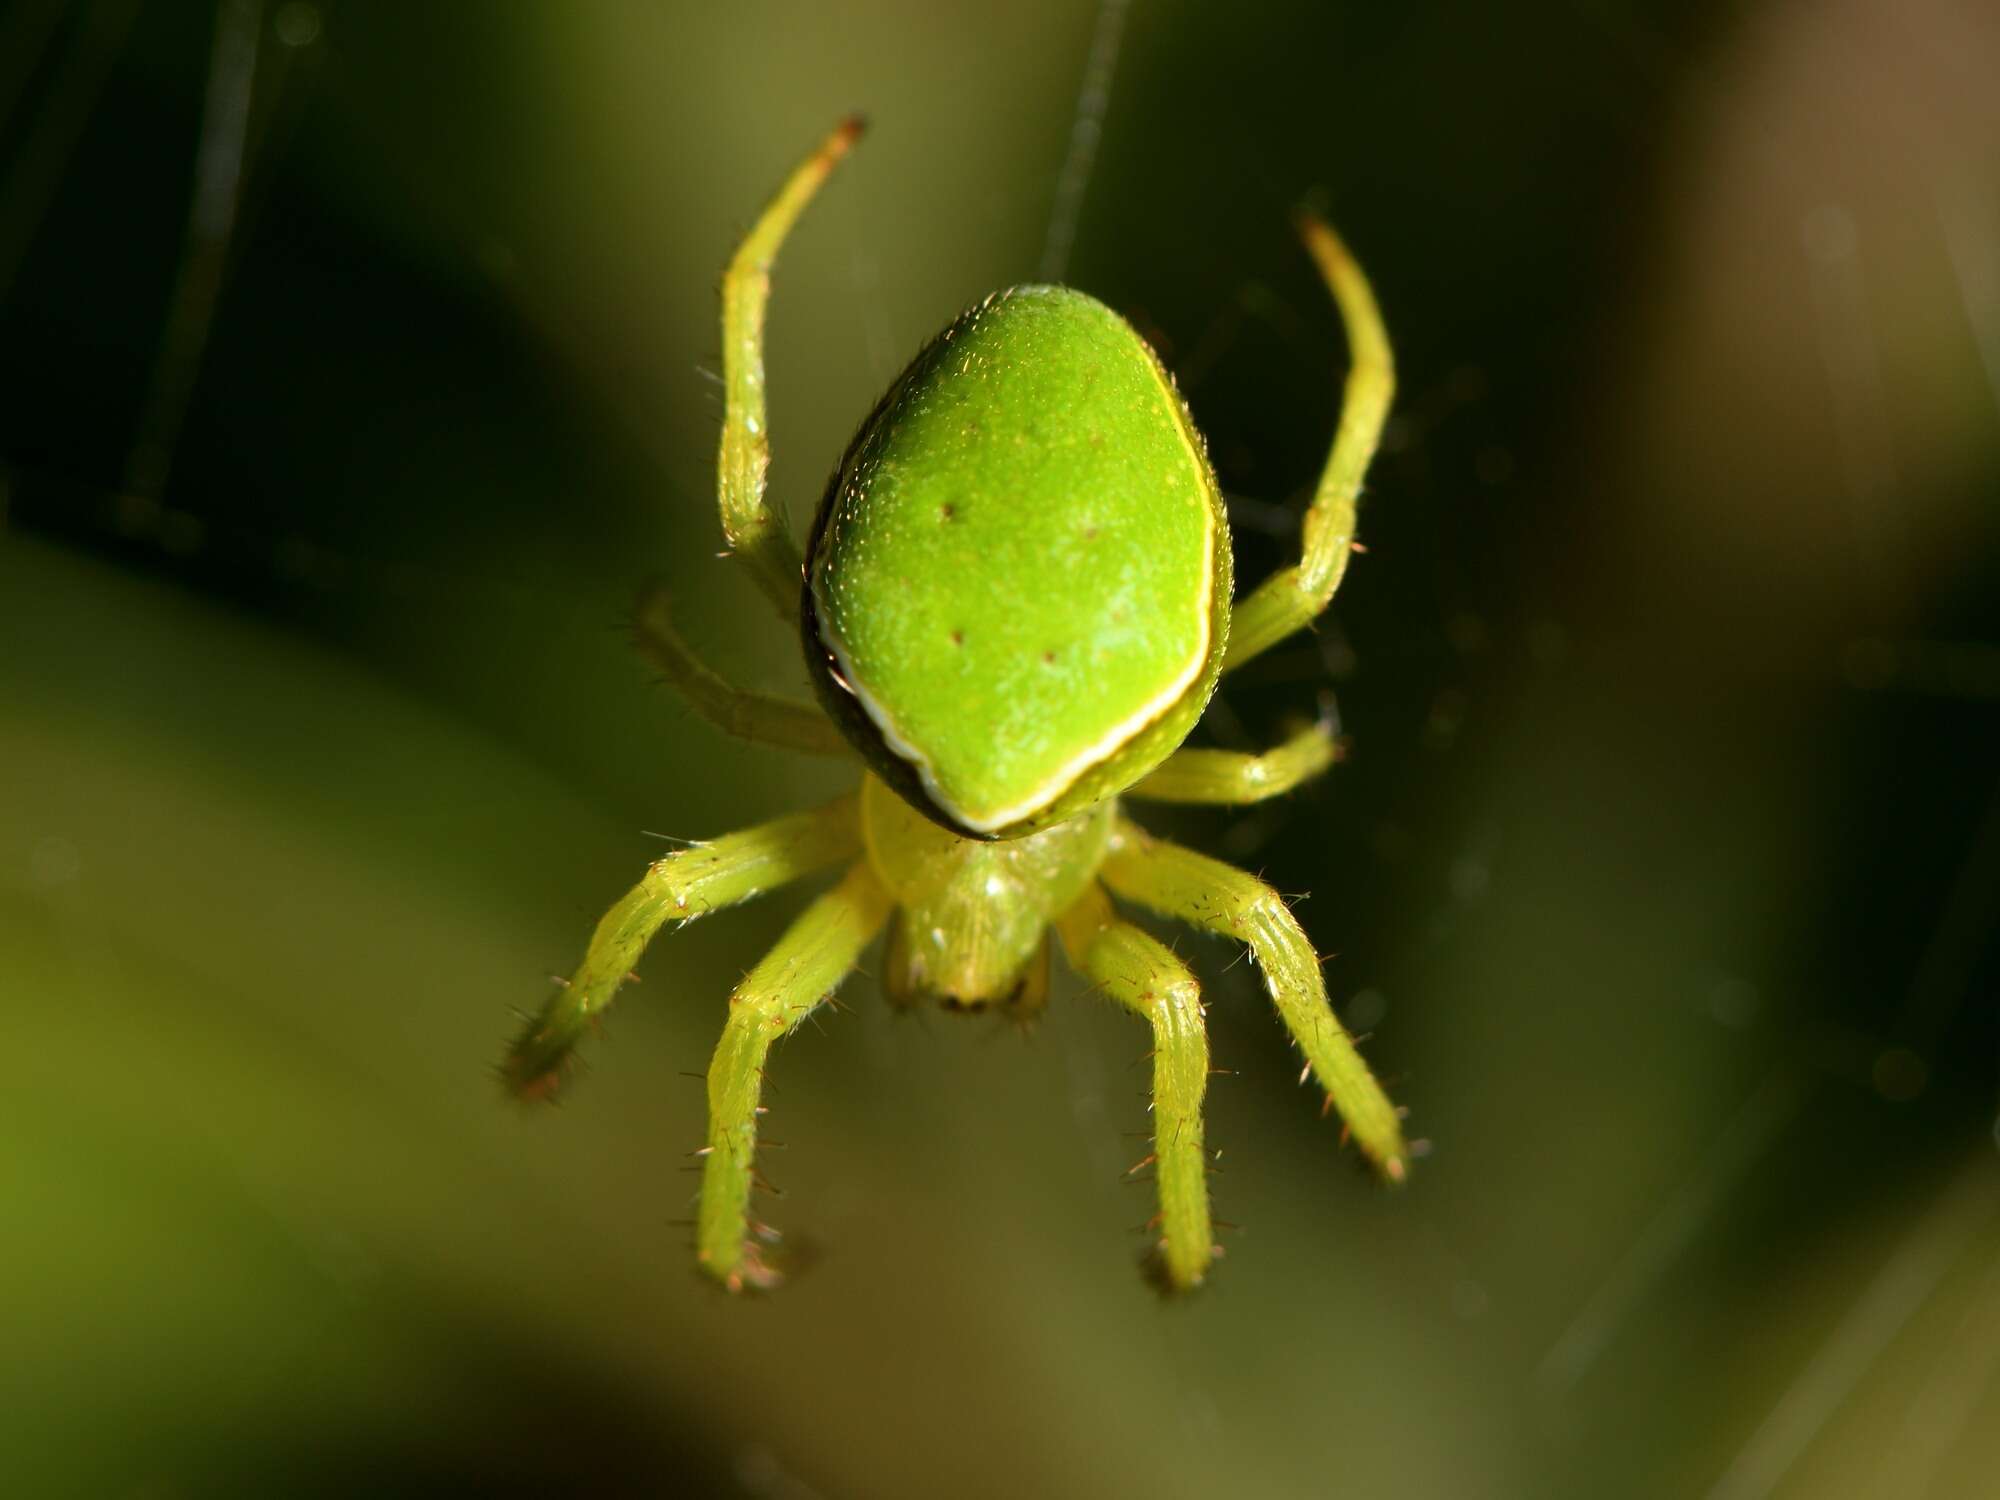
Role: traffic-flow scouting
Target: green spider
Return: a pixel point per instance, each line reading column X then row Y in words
column 1015, row 605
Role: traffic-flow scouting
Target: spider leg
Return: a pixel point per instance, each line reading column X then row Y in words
column 761, row 718
column 687, row 884
column 1139, row 972
column 787, row 985
column 1294, row 597
column 755, row 531
column 1213, row 896
column 1027, row 1003
column 1229, row 776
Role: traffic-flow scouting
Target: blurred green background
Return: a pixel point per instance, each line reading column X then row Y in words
column 355, row 371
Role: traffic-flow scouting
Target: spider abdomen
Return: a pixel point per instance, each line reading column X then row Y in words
column 1019, row 580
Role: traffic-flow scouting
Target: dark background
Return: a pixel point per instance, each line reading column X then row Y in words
column 355, row 371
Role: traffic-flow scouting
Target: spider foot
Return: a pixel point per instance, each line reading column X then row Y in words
column 1157, row 1271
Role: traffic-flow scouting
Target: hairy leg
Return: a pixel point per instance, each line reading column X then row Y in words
column 761, row 718
column 1139, row 972
column 813, row 956
column 1228, row 776
column 687, row 884
column 1216, row 897
column 755, row 531
column 1294, row 597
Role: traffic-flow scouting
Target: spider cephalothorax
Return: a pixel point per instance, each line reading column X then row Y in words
column 1015, row 605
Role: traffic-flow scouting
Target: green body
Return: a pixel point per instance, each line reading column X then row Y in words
column 1016, row 605
column 1019, row 582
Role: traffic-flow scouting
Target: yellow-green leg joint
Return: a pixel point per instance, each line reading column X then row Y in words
column 755, row 531
column 1294, row 597
column 761, row 718
column 1216, row 897
column 1139, row 972
column 1228, row 776
column 813, row 956
column 687, row 884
